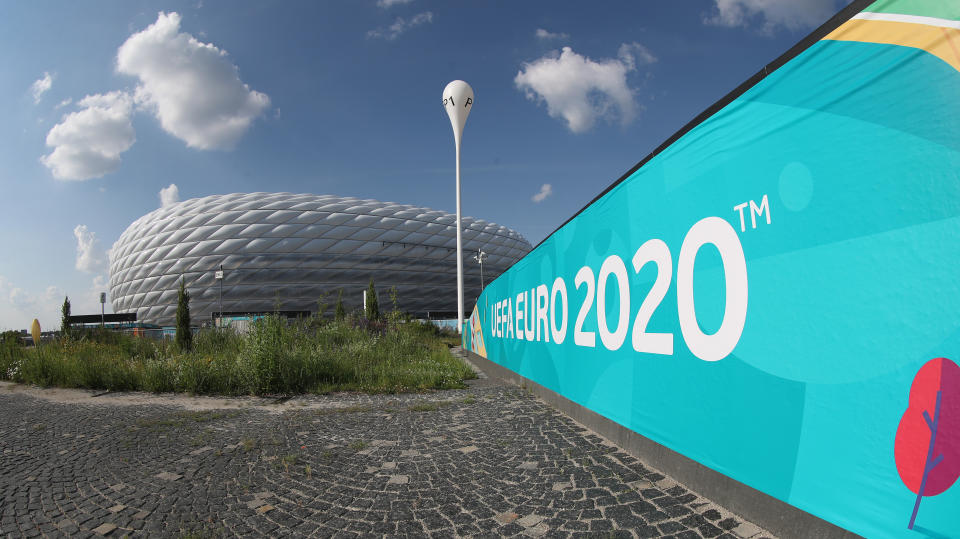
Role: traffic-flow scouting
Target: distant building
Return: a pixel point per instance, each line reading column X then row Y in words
column 292, row 249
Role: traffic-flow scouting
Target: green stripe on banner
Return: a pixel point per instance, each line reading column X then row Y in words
column 925, row 8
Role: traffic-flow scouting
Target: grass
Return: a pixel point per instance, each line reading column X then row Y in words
column 274, row 357
column 426, row 406
column 358, row 445
column 345, row 409
column 181, row 419
column 286, row 462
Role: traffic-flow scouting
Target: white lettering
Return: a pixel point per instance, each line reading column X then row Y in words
column 542, row 313
column 755, row 211
column 743, row 224
column 559, row 289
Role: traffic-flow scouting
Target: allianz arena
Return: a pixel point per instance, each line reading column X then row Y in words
column 296, row 248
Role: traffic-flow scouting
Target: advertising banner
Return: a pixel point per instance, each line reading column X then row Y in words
column 776, row 293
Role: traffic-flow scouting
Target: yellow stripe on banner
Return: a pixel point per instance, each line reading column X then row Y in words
column 944, row 43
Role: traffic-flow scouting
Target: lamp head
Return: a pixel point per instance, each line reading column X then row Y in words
column 457, row 101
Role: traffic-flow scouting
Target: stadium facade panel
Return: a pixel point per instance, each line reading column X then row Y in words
column 292, row 250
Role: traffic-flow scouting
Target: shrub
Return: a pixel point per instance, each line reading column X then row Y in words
column 11, row 355
column 339, row 312
column 65, row 318
column 372, row 307
column 275, row 356
column 184, row 336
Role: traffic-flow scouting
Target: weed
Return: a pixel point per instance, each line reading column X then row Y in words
column 357, row 445
column 274, row 357
column 249, row 444
column 202, row 438
column 307, row 470
column 205, row 533
column 469, row 399
column 272, row 441
column 345, row 410
column 288, row 461
column 424, row 407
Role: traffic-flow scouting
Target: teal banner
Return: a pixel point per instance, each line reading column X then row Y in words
column 776, row 294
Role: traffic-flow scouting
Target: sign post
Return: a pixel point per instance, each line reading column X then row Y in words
column 457, row 101
column 219, row 276
column 103, row 300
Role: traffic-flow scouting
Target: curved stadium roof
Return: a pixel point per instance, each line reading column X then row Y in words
column 294, row 248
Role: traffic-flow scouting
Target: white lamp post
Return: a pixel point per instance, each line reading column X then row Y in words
column 219, row 276
column 457, row 101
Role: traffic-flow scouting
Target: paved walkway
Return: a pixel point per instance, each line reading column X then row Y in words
column 490, row 460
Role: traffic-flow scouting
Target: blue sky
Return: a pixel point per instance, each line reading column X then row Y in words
column 112, row 108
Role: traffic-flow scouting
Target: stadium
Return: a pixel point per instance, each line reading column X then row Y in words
column 291, row 252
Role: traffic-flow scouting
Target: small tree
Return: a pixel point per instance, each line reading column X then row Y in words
column 395, row 314
column 322, row 305
column 184, row 337
column 373, row 308
column 65, row 317
column 339, row 312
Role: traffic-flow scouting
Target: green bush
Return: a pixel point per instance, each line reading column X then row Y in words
column 65, row 318
column 276, row 356
column 184, row 335
column 372, row 307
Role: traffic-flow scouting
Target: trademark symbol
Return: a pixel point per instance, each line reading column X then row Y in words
column 755, row 211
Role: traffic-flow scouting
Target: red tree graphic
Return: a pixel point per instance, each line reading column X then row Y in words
column 927, row 447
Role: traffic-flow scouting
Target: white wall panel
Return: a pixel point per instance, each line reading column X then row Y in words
column 265, row 248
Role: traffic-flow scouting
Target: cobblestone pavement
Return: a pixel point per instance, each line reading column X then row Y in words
column 489, row 460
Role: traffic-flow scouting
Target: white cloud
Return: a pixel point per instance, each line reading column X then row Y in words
column 88, row 143
column 400, row 26
column 545, row 34
column 99, row 284
column 52, row 293
column 169, row 195
column 790, row 14
column 635, row 55
column 545, row 191
column 191, row 87
column 90, row 256
column 580, row 90
column 64, row 103
column 21, row 300
column 88, row 300
column 390, row 3
column 18, row 307
column 40, row 87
